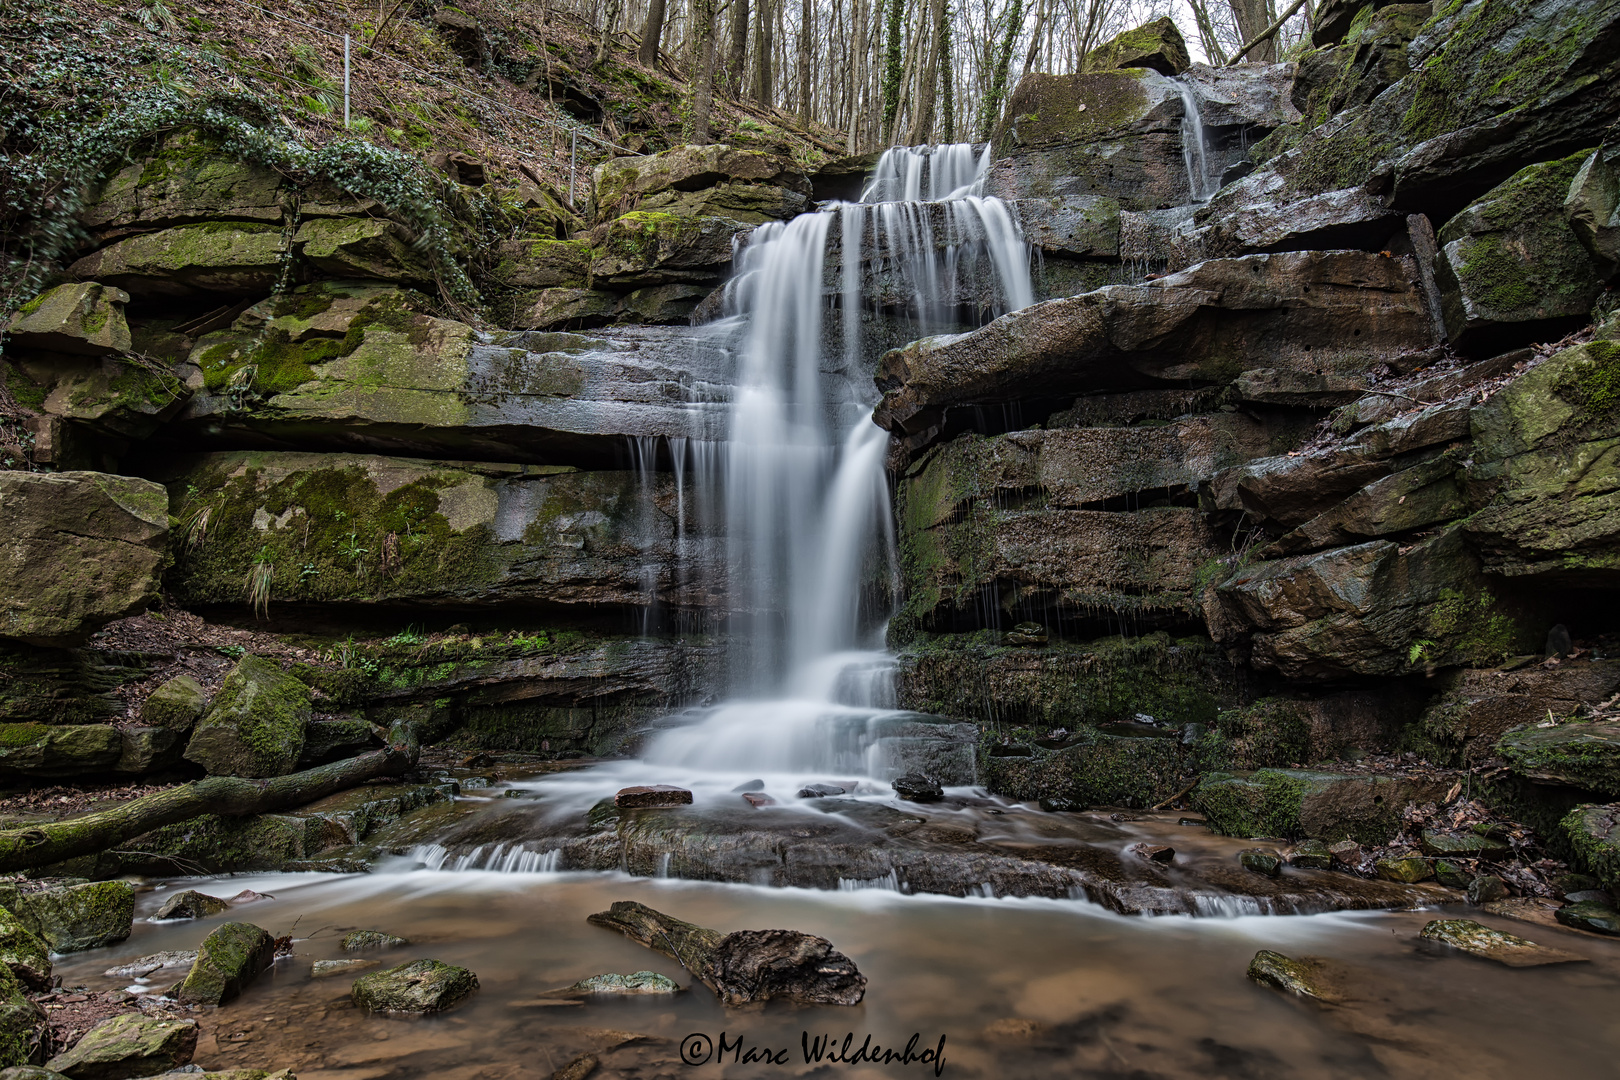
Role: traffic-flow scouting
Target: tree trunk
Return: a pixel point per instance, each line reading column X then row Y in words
column 652, row 32
column 738, row 54
column 922, row 128
column 893, row 70
column 609, row 24
column 746, row 965
column 42, row 845
column 990, row 108
column 947, row 75
column 807, row 30
column 703, row 91
column 1253, row 16
column 1035, row 38
column 764, row 44
column 857, row 78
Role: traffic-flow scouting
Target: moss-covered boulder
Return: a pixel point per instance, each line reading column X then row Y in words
column 217, row 257
column 1511, row 266
column 752, row 204
column 110, row 395
column 1157, row 45
column 222, row 845
column 543, row 264
column 25, row 1035
column 78, row 917
column 81, row 317
column 1092, row 769
column 79, row 549
column 148, row 749
column 191, row 904
column 230, row 958
column 373, row 248
column 333, row 740
column 1593, row 833
column 621, row 182
column 255, row 725
column 1327, row 806
column 1583, row 755
column 650, row 247
column 184, row 178
column 422, row 986
column 352, row 528
column 177, row 705
column 1593, row 208
column 360, row 940
column 23, row 951
column 128, row 1045
column 73, row 750
column 1546, row 448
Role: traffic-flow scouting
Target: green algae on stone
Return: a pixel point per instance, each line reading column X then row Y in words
column 1479, row 940
column 1407, row 869
column 1583, row 755
column 78, row 917
column 81, row 317
column 25, row 1035
column 23, row 952
column 128, row 1045
column 1299, row 977
column 230, row 958
column 1259, row 861
column 176, row 705
column 1292, row 803
column 255, row 725
column 1592, row 832
column 422, row 986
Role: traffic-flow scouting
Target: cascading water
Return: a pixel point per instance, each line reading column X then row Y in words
column 1193, row 151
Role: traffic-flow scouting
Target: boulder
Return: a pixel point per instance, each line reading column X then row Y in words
column 1327, row 806
column 119, row 396
column 1512, row 268
column 1261, row 212
column 216, row 257
column 143, row 966
column 640, row 982
column 334, row 740
column 752, row 204
column 1115, row 134
column 1091, row 769
column 148, row 749
column 25, row 1034
column 358, row 940
column 918, row 788
column 79, row 549
column 218, row 844
column 621, row 182
column 191, row 904
column 1593, row 208
column 373, row 248
column 1259, row 861
column 255, row 725
column 1545, row 449
column 81, row 317
column 1404, row 868
column 177, row 705
column 1157, row 45
column 1250, row 96
column 422, row 986
column 1475, row 939
column 1593, row 834
column 1082, row 226
column 69, row 751
column 1344, row 310
column 23, row 952
column 128, row 1045
column 653, row 795
column 462, row 533
column 1577, row 754
column 1310, row 854
column 73, row 918
column 230, row 958
column 543, row 264
column 1597, row 916
column 647, row 247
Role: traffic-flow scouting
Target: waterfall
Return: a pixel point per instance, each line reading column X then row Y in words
column 806, row 502
column 1192, row 145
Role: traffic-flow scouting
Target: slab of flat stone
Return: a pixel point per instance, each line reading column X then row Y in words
column 1479, row 940
column 648, row 796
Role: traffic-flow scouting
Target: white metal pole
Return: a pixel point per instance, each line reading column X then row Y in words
column 345, row 80
column 573, row 175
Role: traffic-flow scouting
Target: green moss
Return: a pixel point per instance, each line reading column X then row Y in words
column 1472, row 629
column 18, row 735
column 1266, row 803
column 1096, row 770
column 1270, row 732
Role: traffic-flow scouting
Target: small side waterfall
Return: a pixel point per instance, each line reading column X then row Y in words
column 1193, row 150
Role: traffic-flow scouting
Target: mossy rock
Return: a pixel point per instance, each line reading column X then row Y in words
column 177, row 705
column 78, row 917
column 220, row 845
column 74, row 750
column 1157, row 45
column 359, row 940
column 1095, row 770
column 25, row 1035
column 21, row 950
column 227, row 257
column 1511, row 264
column 184, row 177
column 148, row 749
column 334, row 740
column 422, row 986
column 372, row 248
column 1593, row 834
column 1581, row 755
column 255, row 726
column 230, row 958
column 80, row 317
column 128, row 1045
column 1295, row 803
column 620, row 182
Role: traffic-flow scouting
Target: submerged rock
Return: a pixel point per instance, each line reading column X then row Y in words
column 1310, row 854
column 1478, row 940
column 128, row 1046
column 230, row 958
column 819, row 791
column 639, row 982
column 1299, row 977
column 1158, row 853
column 320, row 969
column 918, row 788
column 191, row 904
column 422, row 986
column 1268, row 863
column 1599, row 916
column 650, row 796
column 758, row 799
column 370, row 939
column 143, row 966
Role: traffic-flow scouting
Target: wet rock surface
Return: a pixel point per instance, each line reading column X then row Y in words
column 1478, row 940
column 421, row 986
column 229, row 959
column 128, row 1046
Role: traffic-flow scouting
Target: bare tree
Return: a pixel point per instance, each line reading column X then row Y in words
column 652, row 32
column 703, row 92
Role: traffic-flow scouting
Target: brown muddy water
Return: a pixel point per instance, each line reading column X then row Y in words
column 1016, row 987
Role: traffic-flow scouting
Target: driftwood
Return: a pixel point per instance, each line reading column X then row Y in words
column 747, row 965
column 42, row 845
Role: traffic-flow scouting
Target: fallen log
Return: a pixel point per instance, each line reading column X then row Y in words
column 230, row 796
column 746, row 965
